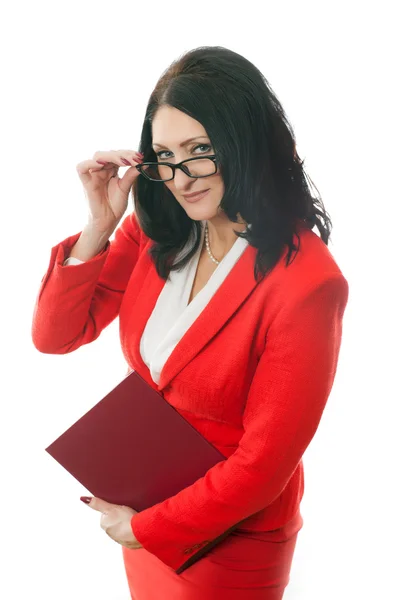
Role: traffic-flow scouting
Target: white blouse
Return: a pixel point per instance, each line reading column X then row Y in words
column 171, row 316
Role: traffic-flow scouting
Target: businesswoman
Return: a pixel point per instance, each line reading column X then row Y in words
column 229, row 305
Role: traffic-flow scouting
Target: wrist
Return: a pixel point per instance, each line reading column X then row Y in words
column 90, row 244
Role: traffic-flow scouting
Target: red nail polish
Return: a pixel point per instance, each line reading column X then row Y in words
column 85, row 499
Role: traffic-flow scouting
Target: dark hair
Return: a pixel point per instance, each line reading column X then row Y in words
column 254, row 145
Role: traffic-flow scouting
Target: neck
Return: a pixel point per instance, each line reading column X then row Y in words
column 221, row 236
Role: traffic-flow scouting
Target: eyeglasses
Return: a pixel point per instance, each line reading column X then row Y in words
column 204, row 166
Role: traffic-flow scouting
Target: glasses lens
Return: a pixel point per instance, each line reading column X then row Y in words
column 201, row 167
column 158, row 172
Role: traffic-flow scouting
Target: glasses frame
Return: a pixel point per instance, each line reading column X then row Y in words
column 180, row 166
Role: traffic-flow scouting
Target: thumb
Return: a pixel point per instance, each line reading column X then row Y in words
column 98, row 504
column 127, row 180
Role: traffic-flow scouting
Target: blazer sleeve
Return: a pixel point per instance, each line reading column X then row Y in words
column 286, row 399
column 75, row 303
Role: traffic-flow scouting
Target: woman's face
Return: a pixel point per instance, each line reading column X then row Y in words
column 171, row 131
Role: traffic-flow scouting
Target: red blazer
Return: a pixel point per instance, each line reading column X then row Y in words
column 252, row 374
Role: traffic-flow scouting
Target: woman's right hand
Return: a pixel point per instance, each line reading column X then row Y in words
column 107, row 193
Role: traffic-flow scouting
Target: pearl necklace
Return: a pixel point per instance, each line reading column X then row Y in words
column 208, row 247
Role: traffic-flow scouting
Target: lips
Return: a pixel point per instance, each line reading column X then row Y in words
column 195, row 196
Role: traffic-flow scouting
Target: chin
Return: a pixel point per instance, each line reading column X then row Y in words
column 205, row 214
column 207, row 208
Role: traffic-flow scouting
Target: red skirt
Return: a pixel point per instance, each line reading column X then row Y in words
column 244, row 566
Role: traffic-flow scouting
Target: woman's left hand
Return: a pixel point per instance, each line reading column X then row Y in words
column 116, row 521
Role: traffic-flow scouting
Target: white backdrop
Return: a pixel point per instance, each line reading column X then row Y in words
column 76, row 79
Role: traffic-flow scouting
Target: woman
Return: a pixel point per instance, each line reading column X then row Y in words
column 221, row 311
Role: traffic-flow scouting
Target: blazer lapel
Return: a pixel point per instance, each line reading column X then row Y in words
column 233, row 291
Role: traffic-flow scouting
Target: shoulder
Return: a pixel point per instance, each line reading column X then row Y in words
column 311, row 267
column 315, row 256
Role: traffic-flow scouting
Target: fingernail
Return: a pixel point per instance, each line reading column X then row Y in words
column 126, row 162
column 86, row 499
column 140, row 154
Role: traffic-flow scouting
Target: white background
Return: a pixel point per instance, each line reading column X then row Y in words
column 76, row 79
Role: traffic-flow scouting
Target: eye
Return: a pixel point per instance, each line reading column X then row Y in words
column 203, row 146
column 206, row 151
column 162, row 152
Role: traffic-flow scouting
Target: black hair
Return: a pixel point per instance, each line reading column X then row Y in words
column 254, row 144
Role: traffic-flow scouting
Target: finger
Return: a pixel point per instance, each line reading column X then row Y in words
column 130, row 160
column 101, row 505
column 85, row 168
column 107, row 161
column 116, row 157
column 129, row 154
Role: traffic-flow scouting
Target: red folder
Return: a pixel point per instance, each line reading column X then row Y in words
column 134, row 449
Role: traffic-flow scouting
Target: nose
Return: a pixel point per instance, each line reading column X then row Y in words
column 182, row 181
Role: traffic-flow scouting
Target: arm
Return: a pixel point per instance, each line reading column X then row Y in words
column 74, row 305
column 284, row 406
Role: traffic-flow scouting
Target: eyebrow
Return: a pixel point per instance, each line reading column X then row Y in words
column 183, row 143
